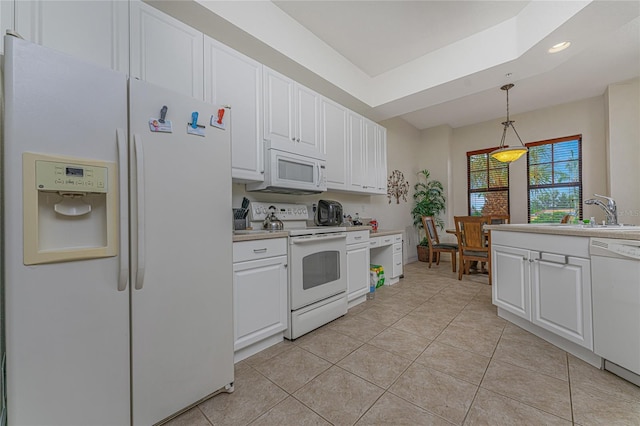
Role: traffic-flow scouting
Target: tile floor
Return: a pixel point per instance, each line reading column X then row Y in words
column 429, row 350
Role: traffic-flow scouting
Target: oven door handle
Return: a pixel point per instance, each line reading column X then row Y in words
column 317, row 239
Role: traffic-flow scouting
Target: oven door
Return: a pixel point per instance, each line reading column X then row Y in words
column 317, row 268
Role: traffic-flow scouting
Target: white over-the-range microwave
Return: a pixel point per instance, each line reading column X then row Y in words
column 291, row 173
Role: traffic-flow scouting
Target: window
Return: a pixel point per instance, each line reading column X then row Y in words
column 554, row 170
column 488, row 184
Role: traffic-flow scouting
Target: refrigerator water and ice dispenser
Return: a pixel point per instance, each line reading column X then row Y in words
column 70, row 208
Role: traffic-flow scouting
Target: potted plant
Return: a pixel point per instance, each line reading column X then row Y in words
column 429, row 201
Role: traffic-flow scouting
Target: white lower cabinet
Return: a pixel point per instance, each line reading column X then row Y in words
column 357, row 266
column 561, row 297
column 511, row 279
column 387, row 251
column 259, row 294
column 546, row 280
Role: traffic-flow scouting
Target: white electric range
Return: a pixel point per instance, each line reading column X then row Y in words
column 317, row 266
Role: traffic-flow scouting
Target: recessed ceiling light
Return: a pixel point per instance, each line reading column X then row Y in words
column 559, row 47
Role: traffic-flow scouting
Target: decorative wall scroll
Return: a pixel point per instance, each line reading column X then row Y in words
column 397, row 187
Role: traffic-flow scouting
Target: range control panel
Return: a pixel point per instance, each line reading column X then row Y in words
column 260, row 211
column 66, row 177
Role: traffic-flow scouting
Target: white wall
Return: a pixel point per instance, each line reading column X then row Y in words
column 403, row 141
column 623, row 148
column 586, row 117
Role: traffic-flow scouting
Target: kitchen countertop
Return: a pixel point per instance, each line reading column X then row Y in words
column 621, row 232
column 257, row 234
column 359, row 228
column 384, row 232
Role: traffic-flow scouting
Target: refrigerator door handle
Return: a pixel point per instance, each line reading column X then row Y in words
column 139, row 153
column 123, row 177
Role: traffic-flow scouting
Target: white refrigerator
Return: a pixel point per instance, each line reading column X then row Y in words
column 118, row 293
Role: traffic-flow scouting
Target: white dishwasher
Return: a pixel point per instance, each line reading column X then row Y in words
column 615, row 274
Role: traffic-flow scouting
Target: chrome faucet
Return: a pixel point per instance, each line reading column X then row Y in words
column 610, row 209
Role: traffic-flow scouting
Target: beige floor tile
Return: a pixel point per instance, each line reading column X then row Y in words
column 355, row 310
column 253, row 395
column 449, row 300
column 478, row 319
column 596, row 408
column 357, row 328
column 381, row 314
column 270, row 352
column 587, row 377
column 390, row 410
column 489, row 408
column 470, row 339
column 538, row 390
column 421, row 325
column 533, row 355
column 289, row 412
column 339, row 396
column 328, row 344
column 400, row 342
column 456, row 362
column 436, row 392
column 193, row 417
column 443, row 311
column 293, row 368
column 375, row 365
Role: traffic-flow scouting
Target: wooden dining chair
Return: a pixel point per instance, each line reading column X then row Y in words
column 435, row 246
column 472, row 242
column 499, row 219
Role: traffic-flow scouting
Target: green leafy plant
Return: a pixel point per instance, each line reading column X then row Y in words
column 429, row 200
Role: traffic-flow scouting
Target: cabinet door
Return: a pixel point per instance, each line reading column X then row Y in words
column 96, row 31
column 259, row 300
column 356, row 175
column 397, row 264
column 279, row 113
column 381, row 161
column 511, row 283
column 236, row 80
column 371, row 151
column 307, row 105
column 334, row 143
column 561, row 297
column 357, row 271
column 166, row 52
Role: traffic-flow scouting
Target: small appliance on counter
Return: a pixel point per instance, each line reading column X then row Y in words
column 328, row 213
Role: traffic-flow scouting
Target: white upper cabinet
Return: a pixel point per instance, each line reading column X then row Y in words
column 381, row 161
column 371, row 153
column 96, row 31
column 333, row 133
column 291, row 115
column 236, row 80
column 166, row 52
column 356, row 169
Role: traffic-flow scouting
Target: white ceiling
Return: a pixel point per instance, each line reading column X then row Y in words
column 442, row 62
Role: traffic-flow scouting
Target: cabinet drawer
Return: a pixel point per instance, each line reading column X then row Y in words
column 374, row 242
column 386, row 241
column 357, row 237
column 397, row 248
column 259, row 249
column 397, row 238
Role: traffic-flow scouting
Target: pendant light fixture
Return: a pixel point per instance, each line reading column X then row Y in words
column 507, row 155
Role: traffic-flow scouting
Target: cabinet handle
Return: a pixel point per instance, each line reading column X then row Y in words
column 357, row 238
column 566, row 261
column 298, row 140
column 293, row 139
column 262, row 250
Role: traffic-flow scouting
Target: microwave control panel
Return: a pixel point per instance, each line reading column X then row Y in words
column 66, row 177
